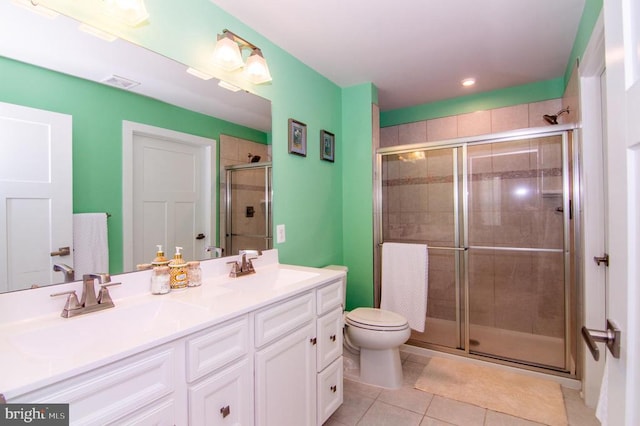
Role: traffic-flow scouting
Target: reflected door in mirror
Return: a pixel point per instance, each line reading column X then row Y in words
column 172, row 189
column 35, row 196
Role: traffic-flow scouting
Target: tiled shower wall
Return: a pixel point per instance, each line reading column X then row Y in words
column 477, row 123
column 508, row 291
column 234, row 151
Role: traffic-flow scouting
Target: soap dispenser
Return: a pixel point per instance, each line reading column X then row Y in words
column 160, row 260
column 178, row 271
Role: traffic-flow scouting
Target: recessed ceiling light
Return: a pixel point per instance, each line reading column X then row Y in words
column 228, row 86
column 96, row 32
column 467, row 82
column 36, row 8
column 199, row 74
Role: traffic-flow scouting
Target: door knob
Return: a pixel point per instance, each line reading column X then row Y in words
column 200, row 237
column 62, row 251
column 610, row 336
column 604, row 259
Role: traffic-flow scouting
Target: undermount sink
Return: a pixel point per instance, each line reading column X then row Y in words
column 104, row 329
column 270, row 279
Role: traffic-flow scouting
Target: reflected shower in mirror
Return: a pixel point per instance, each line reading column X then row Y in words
column 47, row 64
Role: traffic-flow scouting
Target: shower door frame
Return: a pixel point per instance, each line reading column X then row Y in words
column 268, row 194
column 571, row 188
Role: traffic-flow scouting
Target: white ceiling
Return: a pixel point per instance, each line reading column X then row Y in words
column 58, row 45
column 418, row 51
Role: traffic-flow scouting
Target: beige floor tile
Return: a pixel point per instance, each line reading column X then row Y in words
column 456, row 412
column 429, row 421
column 411, row 371
column 352, row 387
column 352, row 409
column 424, row 360
column 407, row 398
column 381, row 414
column 500, row 419
column 578, row 414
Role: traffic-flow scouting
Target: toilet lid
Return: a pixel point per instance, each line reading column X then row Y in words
column 378, row 318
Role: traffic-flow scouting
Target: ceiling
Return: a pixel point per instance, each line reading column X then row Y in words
column 418, row 51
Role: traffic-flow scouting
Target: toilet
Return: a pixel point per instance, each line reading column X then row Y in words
column 377, row 334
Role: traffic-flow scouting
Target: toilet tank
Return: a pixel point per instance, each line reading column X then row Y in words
column 344, row 280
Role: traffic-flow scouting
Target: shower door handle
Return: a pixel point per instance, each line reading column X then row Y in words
column 611, row 337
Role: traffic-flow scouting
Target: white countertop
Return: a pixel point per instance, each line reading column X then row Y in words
column 41, row 350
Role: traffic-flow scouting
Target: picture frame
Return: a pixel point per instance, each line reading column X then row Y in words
column 297, row 138
column 327, row 146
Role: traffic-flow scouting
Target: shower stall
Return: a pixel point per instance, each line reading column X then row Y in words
column 496, row 214
column 248, row 207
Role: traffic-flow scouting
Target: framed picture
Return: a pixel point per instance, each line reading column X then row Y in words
column 327, row 145
column 297, row 138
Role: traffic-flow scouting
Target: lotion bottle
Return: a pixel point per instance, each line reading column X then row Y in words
column 178, row 271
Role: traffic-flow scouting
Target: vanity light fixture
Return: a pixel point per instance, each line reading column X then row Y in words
column 34, row 7
column 199, row 74
column 132, row 12
column 227, row 55
column 96, row 32
column 468, row 82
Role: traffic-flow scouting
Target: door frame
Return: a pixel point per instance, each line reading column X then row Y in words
column 129, row 131
column 593, row 184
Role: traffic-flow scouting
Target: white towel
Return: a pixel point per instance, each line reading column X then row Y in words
column 90, row 244
column 405, row 281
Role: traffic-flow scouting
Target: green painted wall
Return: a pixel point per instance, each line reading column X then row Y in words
column 98, row 111
column 357, row 187
column 592, row 9
column 307, row 191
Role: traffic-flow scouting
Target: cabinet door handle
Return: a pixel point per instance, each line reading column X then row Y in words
column 334, row 388
column 225, row 411
column 332, row 337
column 313, row 340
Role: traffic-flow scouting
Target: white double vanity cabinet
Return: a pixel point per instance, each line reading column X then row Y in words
column 264, row 349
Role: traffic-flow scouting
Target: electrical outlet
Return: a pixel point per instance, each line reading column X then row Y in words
column 281, row 237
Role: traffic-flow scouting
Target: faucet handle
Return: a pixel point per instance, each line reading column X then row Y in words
column 103, row 296
column 72, row 303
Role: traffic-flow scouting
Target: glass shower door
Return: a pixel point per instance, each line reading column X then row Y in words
column 516, row 258
column 420, row 204
column 248, row 208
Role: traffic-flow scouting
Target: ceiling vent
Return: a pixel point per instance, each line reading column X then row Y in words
column 120, row 82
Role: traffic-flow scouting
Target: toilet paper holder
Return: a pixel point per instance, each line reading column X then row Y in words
column 610, row 336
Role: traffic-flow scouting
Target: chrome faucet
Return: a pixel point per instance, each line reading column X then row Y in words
column 88, row 301
column 217, row 251
column 243, row 266
column 69, row 273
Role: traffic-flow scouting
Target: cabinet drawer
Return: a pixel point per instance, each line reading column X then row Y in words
column 330, row 336
column 211, row 349
column 108, row 393
column 330, row 390
column 276, row 321
column 225, row 398
column 329, row 297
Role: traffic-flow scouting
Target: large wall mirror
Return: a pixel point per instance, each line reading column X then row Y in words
column 48, row 64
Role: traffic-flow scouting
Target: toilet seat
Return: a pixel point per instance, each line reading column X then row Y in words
column 376, row 319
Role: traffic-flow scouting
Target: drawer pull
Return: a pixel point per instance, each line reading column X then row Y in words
column 332, row 337
column 225, row 411
column 334, row 388
column 313, row 340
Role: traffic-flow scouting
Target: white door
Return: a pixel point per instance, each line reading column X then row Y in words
column 170, row 190
column 622, row 38
column 35, row 196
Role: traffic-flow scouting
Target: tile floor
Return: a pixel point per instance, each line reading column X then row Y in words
column 366, row 405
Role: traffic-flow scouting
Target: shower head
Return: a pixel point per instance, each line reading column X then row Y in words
column 553, row 119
